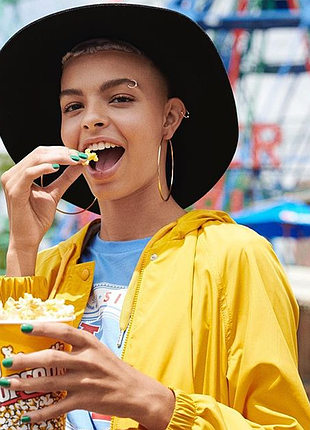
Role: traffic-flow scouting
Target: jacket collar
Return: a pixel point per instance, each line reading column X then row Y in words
column 79, row 240
column 176, row 230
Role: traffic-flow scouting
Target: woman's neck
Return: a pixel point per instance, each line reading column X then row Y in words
column 128, row 220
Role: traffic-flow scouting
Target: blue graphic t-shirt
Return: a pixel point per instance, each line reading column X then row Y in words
column 115, row 263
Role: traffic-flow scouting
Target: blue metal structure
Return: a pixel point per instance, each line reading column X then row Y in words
column 280, row 16
column 233, row 33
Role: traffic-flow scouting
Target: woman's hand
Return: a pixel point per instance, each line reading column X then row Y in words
column 31, row 208
column 95, row 380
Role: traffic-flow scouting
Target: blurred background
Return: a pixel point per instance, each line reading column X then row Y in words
column 265, row 47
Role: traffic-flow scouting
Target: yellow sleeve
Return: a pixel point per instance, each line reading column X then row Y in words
column 39, row 285
column 202, row 412
column 260, row 315
column 17, row 286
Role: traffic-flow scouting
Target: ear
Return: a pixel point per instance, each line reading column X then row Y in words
column 174, row 113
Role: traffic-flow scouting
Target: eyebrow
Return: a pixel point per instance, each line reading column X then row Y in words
column 105, row 86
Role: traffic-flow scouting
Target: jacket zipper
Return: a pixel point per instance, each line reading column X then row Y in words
column 122, row 333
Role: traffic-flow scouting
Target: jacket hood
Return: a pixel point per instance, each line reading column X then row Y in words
column 195, row 219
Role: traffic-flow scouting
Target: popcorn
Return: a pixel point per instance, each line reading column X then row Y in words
column 11, row 415
column 92, row 156
column 30, row 308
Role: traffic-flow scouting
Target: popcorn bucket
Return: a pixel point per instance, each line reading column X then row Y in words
column 15, row 404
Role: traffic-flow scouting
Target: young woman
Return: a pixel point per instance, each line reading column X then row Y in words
column 186, row 320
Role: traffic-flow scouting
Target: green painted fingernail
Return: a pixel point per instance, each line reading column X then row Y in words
column 26, row 328
column 55, row 166
column 5, row 383
column 83, row 155
column 75, row 158
column 25, row 419
column 7, row 362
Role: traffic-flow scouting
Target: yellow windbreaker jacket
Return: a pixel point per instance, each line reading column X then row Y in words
column 208, row 313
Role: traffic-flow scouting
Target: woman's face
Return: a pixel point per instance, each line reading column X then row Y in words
column 103, row 109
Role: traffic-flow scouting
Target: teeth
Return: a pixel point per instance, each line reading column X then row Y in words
column 101, row 145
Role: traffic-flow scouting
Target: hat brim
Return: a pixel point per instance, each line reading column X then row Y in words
column 30, row 71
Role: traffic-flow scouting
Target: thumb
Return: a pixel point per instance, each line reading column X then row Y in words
column 58, row 187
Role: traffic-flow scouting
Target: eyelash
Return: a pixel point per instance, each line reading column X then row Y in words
column 72, row 105
column 121, row 99
column 116, row 99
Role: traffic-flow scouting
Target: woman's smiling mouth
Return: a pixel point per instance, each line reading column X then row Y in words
column 108, row 155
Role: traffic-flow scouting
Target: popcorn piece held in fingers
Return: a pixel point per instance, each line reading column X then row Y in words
column 92, row 156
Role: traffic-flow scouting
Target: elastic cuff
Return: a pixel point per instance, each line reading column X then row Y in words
column 184, row 412
column 17, row 286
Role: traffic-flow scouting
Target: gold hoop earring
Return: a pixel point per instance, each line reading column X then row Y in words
column 71, row 213
column 158, row 171
column 77, row 212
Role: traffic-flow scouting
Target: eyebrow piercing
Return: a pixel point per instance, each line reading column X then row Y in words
column 133, row 85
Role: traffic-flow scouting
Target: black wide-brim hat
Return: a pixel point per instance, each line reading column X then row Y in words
column 30, row 72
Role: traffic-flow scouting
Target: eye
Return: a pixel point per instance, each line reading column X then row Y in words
column 121, row 98
column 71, row 107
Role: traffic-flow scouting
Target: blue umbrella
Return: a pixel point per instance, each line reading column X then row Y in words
column 276, row 218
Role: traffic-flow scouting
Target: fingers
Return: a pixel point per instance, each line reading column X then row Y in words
column 58, row 187
column 30, row 174
column 48, row 358
column 51, row 154
column 18, row 182
column 53, row 358
column 51, row 412
column 42, row 384
column 62, row 331
column 43, row 160
column 76, row 359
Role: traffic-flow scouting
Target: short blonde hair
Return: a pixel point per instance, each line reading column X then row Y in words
column 96, row 45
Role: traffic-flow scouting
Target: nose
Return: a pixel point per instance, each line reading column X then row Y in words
column 94, row 118
column 93, row 124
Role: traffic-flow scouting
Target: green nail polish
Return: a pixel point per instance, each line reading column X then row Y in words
column 25, row 419
column 26, row 328
column 7, row 362
column 75, row 158
column 83, row 155
column 5, row 383
column 55, row 166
